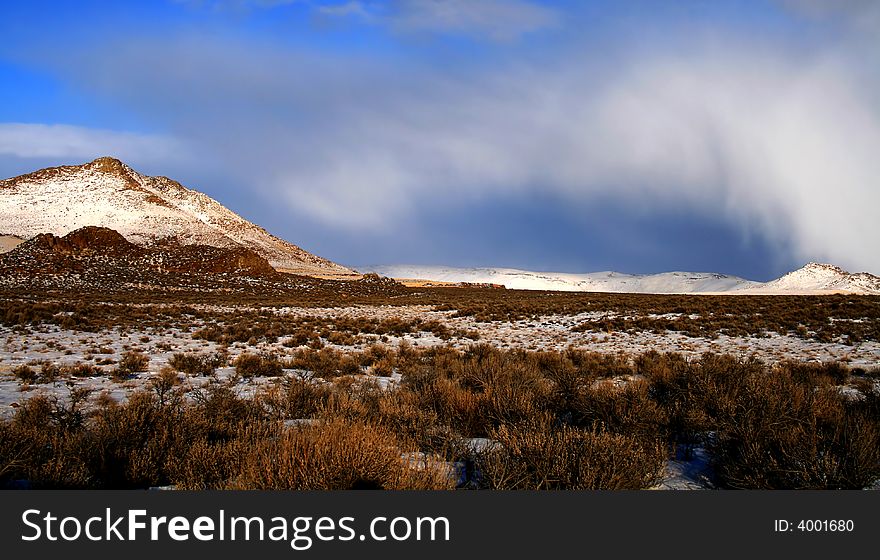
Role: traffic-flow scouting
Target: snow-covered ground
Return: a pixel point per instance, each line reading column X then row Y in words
column 64, row 347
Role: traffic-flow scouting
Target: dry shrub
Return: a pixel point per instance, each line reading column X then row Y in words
column 591, row 365
column 252, row 365
column 83, row 370
column 401, row 412
column 211, row 460
column 193, row 363
column 539, row 456
column 326, row 363
column 163, row 383
column 336, row 456
column 458, row 408
column 567, row 380
column 221, row 413
column 130, row 441
column 384, row 367
column 558, row 418
column 786, row 434
column 130, row 363
column 45, row 444
column 508, row 384
column 341, row 338
column 49, row 372
column 375, row 353
column 134, row 361
column 25, row 374
column 628, row 410
column 828, row 373
column 295, row 398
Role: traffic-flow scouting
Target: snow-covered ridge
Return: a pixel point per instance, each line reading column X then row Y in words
column 108, row 193
column 813, row 278
column 822, row 277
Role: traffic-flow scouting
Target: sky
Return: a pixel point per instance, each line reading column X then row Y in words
column 730, row 136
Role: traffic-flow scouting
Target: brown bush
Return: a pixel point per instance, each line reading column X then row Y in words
column 163, row 383
column 295, row 398
column 192, row 363
column 25, row 374
column 335, row 456
column 252, row 365
column 326, row 363
column 561, row 420
column 130, row 363
column 786, row 434
column 538, row 456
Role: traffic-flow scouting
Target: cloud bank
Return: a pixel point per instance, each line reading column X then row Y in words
column 502, row 20
column 780, row 140
column 63, row 142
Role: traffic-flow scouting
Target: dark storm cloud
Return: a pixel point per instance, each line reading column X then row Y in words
column 778, row 142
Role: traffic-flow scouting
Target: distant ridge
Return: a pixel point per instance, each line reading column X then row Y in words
column 818, row 277
column 145, row 210
column 812, row 278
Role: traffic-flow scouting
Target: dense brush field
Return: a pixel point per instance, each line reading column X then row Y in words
column 235, row 392
column 548, row 420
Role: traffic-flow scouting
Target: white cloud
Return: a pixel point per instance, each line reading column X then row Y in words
column 860, row 14
column 784, row 144
column 237, row 4
column 499, row 20
column 786, row 150
column 352, row 8
column 40, row 141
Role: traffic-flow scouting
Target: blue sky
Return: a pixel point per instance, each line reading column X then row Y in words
column 643, row 136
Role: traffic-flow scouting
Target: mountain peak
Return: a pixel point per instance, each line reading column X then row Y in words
column 114, row 167
column 824, row 267
column 108, row 164
column 822, row 277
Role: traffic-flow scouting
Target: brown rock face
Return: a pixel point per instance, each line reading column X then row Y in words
column 90, row 238
column 104, row 253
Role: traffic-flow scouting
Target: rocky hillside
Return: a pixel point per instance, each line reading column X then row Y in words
column 96, row 257
column 145, row 210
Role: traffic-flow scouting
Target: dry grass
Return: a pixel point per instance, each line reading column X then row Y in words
column 541, row 456
column 558, row 419
column 339, row 455
column 849, row 319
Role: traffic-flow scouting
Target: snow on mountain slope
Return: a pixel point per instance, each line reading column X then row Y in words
column 817, row 277
column 813, row 278
column 144, row 209
column 9, row 242
column 666, row 283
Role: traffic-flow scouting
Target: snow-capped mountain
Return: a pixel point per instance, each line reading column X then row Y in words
column 818, row 277
column 812, row 278
column 145, row 210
